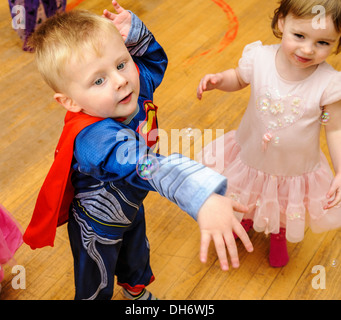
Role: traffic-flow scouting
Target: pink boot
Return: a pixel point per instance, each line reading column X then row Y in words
column 278, row 256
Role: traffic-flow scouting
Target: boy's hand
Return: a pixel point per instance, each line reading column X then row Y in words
column 209, row 82
column 217, row 221
column 121, row 20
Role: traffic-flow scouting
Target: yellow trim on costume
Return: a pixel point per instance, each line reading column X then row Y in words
column 104, row 224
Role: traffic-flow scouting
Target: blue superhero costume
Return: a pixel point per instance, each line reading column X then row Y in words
column 106, row 221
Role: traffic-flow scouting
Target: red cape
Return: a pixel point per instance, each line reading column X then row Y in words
column 56, row 194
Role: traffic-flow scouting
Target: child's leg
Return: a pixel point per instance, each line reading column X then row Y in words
column 143, row 295
column 278, row 256
column 133, row 269
column 95, row 258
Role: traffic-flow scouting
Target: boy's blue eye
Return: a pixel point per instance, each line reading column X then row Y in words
column 99, row 81
column 121, row 66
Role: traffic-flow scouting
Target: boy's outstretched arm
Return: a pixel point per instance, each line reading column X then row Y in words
column 217, row 222
column 194, row 188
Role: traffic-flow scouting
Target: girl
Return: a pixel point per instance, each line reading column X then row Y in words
column 273, row 162
column 10, row 238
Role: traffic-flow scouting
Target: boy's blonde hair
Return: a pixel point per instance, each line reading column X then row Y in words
column 68, row 35
column 304, row 9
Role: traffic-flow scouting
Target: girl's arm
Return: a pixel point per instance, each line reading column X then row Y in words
column 229, row 80
column 333, row 135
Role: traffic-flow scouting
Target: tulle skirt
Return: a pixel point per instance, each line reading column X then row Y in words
column 10, row 238
column 275, row 201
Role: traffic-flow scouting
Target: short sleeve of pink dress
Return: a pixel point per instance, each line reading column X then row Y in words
column 273, row 162
column 246, row 62
column 332, row 93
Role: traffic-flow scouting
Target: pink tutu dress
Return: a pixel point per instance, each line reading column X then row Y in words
column 10, row 238
column 273, row 162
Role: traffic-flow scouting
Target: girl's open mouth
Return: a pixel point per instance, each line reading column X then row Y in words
column 301, row 59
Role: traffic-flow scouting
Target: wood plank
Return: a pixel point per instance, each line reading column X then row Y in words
column 191, row 33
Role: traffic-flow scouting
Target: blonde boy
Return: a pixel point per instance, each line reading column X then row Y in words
column 107, row 87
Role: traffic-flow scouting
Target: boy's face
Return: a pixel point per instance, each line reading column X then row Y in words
column 106, row 86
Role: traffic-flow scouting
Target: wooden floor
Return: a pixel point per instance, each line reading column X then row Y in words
column 199, row 36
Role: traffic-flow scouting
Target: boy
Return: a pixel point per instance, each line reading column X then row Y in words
column 107, row 140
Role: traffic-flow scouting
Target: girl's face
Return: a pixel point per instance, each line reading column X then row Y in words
column 303, row 45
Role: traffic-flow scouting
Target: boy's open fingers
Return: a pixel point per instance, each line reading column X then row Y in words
column 232, row 249
column 204, row 244
column 109, row 14
column 117, row 7
column 239, row 207
column 221, row 251
column 220, row 248
column 243, row 236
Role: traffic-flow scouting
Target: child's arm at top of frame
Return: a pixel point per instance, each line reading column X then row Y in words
column 228, row 80
column 142, row 46
column 333, row 135
column 121, row 20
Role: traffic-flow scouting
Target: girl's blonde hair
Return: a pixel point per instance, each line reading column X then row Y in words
column 304, row 9
column 64, row 36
